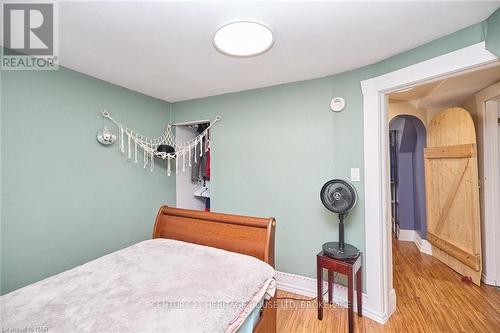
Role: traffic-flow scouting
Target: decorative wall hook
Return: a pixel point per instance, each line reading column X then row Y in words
column 105, row 136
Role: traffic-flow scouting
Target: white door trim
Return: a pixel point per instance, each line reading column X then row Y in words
column 487, row 101
column 378, row 253
column 497, row 245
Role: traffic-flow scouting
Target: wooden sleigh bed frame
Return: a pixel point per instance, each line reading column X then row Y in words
column 252, row 236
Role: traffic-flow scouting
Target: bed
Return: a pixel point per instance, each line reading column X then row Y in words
column 200, row 272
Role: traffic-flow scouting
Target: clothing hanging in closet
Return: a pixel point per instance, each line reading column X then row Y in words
column 207, row 166
column 196, row 163
column 200, row 163
column 200, row 169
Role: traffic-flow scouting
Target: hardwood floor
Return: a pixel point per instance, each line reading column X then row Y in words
column 430, row 298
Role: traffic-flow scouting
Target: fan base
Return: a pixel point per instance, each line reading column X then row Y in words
column 332, row 250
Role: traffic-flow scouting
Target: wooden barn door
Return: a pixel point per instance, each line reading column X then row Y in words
column 452, row 192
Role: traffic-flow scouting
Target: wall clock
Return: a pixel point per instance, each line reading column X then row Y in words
column 337, row 104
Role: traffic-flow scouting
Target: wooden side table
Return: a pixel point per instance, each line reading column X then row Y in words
column 349, row 268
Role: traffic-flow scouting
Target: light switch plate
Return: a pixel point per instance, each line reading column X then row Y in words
column 355, row 175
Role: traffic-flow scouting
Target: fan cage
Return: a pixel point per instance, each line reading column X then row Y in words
column 340, row 182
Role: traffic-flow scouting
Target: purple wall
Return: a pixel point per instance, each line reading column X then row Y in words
column 411, row 183
column 419, row 177
column 405, row 191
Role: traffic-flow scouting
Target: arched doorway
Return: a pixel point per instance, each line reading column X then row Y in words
column 408, row 140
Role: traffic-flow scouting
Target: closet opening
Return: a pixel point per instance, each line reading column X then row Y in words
column 193, row 185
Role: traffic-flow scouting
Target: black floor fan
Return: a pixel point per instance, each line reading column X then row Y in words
column 339, row 197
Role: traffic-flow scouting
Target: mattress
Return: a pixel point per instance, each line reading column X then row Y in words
column 157, row 285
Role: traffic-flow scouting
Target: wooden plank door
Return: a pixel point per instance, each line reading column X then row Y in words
column 452, row 192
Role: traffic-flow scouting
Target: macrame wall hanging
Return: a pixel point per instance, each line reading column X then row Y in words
column 164, row 147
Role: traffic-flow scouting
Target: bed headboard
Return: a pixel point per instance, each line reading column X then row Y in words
column 252, row 236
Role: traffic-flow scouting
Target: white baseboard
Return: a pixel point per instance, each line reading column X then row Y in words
column 406, row 235
column 392, row 303
column 412, row 236
column 489, row 281
column 423, row 245
column 307, row 286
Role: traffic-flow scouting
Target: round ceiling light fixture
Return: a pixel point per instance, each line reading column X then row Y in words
column 243, row 39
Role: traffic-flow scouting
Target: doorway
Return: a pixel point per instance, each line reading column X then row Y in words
column 459, row 244
column 407, row 143
column 380, row 294
column 491, row 170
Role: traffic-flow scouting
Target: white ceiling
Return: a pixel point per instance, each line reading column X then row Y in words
column 164, row 49
column 452, row 91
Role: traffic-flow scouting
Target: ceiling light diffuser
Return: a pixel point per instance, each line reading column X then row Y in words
column 243, row 39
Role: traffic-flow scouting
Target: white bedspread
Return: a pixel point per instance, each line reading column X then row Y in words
column 157, row 285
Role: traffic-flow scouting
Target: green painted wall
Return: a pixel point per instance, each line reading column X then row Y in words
column 275, row 147
column 493, row 33
column 66, row 199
